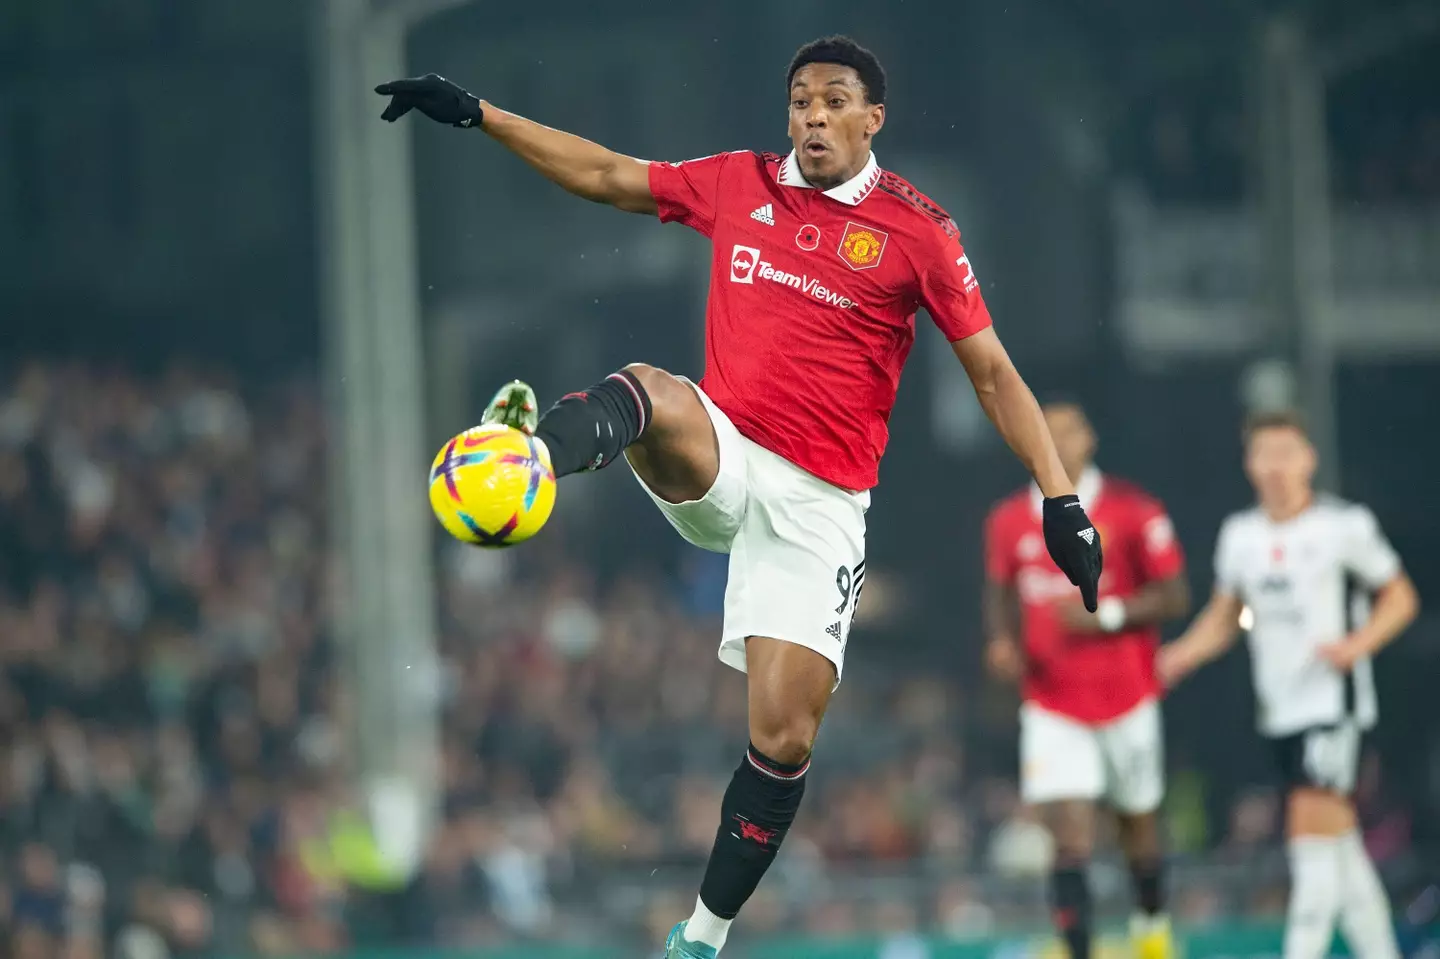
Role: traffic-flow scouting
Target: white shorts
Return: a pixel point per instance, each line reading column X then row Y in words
column 796, row 545
column 1121, row 762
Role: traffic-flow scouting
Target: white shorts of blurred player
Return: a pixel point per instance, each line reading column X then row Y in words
column 796, row 546
column 1120, row 763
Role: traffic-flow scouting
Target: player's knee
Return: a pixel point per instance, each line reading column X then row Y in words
column 1318, row 812
column 786, row 737
column 1140, row 837
column 1071, row 826
column 789, row 687
column 652, row 378
column 669, row 397
column 1072, row 852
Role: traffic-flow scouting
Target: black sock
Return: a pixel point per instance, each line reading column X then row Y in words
column 1148, row 878
column 755, row 814
column 586, row 431
column 1071, row 895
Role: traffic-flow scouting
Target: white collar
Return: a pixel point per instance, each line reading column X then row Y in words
column 851, row 192
column 1088, row 489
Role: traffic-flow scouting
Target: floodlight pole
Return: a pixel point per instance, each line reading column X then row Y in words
column 384, row 609
column 1295, row 208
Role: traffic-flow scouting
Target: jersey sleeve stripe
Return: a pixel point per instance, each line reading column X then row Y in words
column 898, row 188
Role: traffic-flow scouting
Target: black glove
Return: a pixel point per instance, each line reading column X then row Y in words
column 434, row 96
column 1074, row 545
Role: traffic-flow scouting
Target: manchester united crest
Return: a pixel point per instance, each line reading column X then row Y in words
column 862, row 246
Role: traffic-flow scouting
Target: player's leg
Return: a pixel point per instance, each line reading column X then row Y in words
column 1366, row 917
column 657, row 417
column 1062, row 775
column 1141, row 842
column 1072, row 825
column 789, row 688
column 1313, row 828
column 796, row 569
column 1331, row 876
column 1134, row 752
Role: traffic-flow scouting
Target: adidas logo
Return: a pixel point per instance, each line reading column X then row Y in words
column 833, row 631
column 766, row 214
column 1088, row 535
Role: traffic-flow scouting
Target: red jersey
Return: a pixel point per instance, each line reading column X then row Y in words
column 1089, row 677
column 812, row 303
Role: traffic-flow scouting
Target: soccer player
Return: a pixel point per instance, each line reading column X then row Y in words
column 1090, row 719
column 1306, row 567
column 821, row 258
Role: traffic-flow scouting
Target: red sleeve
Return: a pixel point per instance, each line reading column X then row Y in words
column 1000, row 565
column 1159, row 556
column 687, row 192
column 949, row 290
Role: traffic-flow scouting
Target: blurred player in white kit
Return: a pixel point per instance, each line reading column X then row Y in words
column 1326, row 591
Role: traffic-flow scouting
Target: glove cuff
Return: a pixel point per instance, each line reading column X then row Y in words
column 1059, row 502
column 471, row 114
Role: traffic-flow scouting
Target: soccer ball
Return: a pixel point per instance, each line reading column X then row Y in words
column 492, row 486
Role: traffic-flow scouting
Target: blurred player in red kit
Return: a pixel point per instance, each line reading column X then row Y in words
column 820, row 259
column 1090, row 727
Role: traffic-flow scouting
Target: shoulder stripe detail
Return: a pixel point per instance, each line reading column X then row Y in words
column 901, row 190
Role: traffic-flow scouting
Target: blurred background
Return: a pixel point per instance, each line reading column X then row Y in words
column 251, row 704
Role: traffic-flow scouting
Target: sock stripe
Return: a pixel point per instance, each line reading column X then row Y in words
column 635, row 394
column 765, row 768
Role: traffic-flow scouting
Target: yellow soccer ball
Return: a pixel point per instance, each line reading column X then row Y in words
column 492, row 486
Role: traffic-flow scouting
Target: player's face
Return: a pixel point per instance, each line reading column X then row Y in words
column 1074, row 439
column 831, row 123
column 1280, row 463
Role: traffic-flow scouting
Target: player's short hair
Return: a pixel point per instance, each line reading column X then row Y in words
column 1264, row 420
column 844, row 52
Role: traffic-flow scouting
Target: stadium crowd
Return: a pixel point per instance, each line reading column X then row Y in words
column 172, row 722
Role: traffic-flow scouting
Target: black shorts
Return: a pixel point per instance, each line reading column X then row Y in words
column 1322, row 757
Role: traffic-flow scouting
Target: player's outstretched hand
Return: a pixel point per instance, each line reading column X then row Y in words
column 434, row 96
column 1074, row 545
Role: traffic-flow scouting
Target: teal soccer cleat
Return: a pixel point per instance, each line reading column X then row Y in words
column 678, row 947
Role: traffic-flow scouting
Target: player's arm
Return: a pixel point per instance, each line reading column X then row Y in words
column 573, row 163
column 1011, row 406
column 1004, row 656
column 1395, row 608
column 1156, row 603
column 1000, row 605
column 1213, row 632
column 949, row 291
column 1371, row 558
column 1153, row 604
column 1215, row 629
column 1164, row 593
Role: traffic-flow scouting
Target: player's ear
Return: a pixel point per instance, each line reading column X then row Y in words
column 876, row 120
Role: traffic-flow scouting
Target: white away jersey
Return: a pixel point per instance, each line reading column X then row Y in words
column 1307, row 582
